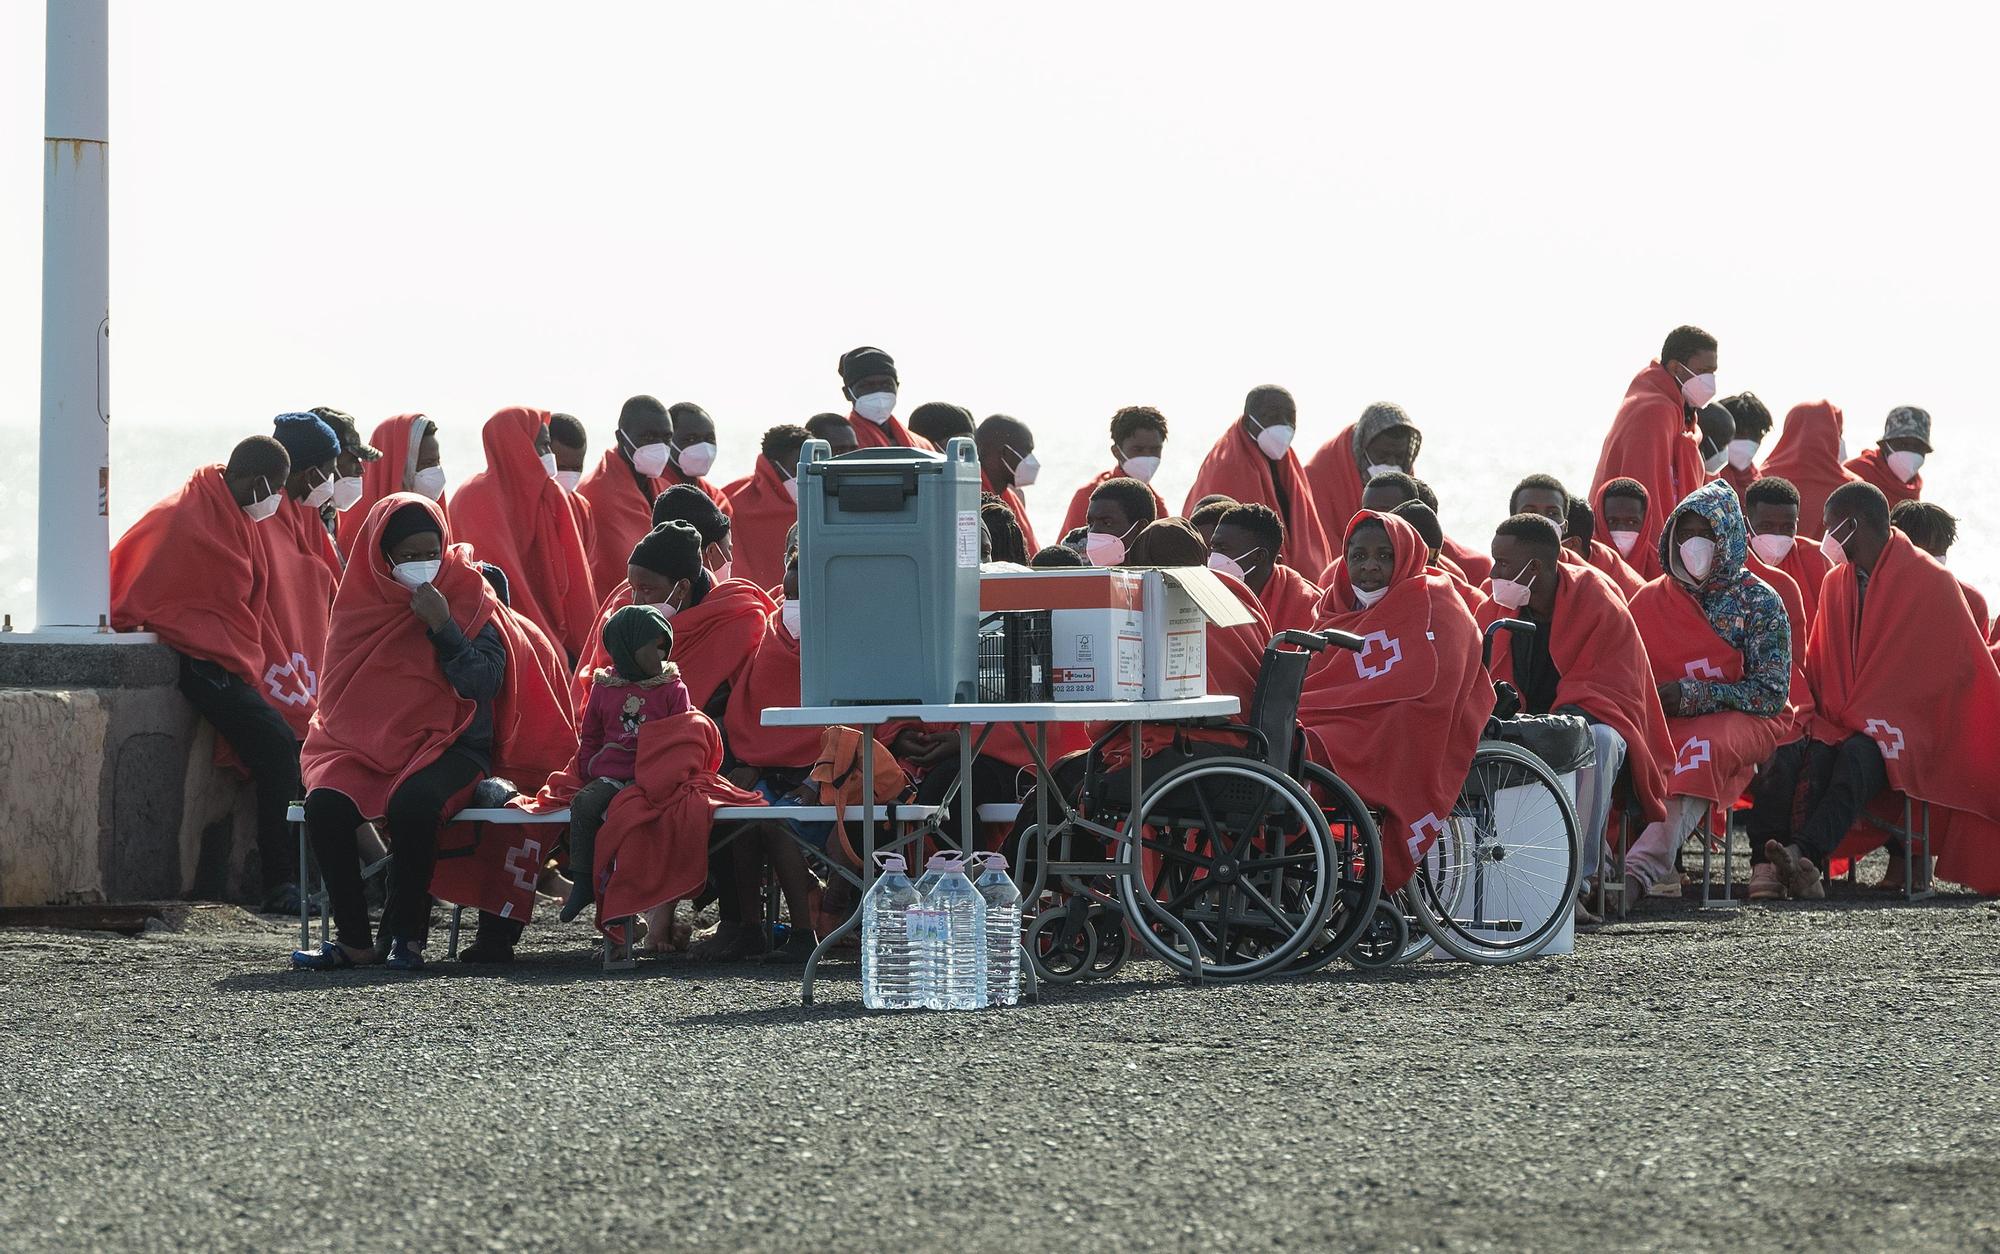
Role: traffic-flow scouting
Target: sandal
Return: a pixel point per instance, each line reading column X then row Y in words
column 332, row 956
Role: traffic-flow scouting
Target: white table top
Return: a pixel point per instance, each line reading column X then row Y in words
column 1005, row 712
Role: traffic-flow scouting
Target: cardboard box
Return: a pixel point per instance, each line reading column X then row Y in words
column 1121, row 634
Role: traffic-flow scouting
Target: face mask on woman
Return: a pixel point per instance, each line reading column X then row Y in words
column 429, row 481
column 414, row 574
column 1368, row 598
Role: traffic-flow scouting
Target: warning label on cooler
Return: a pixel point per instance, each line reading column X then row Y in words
column 968, row 539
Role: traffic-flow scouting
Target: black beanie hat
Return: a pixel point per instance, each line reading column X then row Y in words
column 865, row 362
column 406, row 522
column 672, row 549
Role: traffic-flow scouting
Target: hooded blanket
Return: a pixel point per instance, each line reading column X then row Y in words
column 1904, row 666
column 1237, row 468
column 1335, row 471
column 1808, row 454
column 210, row 582
column 1653, row 439
column 1400, row 720
column 399, row 438
column 518, row 518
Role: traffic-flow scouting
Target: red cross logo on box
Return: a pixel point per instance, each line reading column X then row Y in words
column 1378, row 656
column 1888, row 737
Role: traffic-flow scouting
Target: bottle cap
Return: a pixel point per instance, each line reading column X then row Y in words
column 892, row 863
column 946, row 862
column 986, row 861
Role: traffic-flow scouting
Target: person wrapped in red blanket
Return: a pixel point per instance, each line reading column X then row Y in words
column 1580, row 538
column 1254, row 462
column 1654, row 438
column 1545, row 495
column 431, row 685
column 1007, row 464
column 1934, row 529
column 515, row 515
column 1419, row 682
column 1906, row 697
column 1383, row 439
column 868, row 380
column 1771, row 508
column 622, row 486
column 410, row 462
column 1138, row 439
column 247, row 612
column 1584, row 658
column 1624, row 508
column 764, row 507
column 1250, row 544
column 1893, row 464
column 1808, row 457
column 1720, row 644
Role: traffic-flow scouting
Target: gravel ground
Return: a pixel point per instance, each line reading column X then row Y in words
column 1789, row 1077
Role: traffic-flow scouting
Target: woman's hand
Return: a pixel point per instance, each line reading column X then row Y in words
column 1670, row 697
column 428, row 604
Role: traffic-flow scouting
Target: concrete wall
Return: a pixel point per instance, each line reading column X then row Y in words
column 108, row 790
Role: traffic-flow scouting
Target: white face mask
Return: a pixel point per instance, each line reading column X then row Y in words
column 1272, row 441
column 792, row 486
column 1027, row 469
column 1904, row 465
column 1367, row 598
column 1101, row 549
column 321, row 493
column 1741, row 452
column 1715, row 461
column 876, row 407
column 1141, row 468
column 788, row 615
column 1625, row 542
column 346, row 493
column 264, row 506
column 1772, row 549
column 549, row 464
column 1697, row 557
column 1834, row 551
column 429, row 481
column 650, row 460
column 1512, row 593
column 1227, row 565
column 695, row 460
column 1381, row 468
column 414, row 574
column 1699, row 389
column 569, row 479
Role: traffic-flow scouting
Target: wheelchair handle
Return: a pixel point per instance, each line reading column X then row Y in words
column 1518, row 625
column 1320, row 641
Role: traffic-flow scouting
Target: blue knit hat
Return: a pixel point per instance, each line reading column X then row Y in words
column 307, row 438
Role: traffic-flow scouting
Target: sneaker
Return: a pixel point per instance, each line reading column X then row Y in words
column 1797, row 872
column 1765, row 883
column 403, row 956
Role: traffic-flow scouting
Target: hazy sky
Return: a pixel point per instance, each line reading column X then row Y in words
column 1491, row 213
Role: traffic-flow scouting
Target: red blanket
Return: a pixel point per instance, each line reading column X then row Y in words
column 1289, row 600
column 1644, row 559
column 1870, row 468
column 1400, row 720
column 1018, row 507
column 1235, row 657
column 1715, row 754
column 1653, row 439
column 306, row 531
column 713, row 641
column 1606, row 674
column 387, row 473
column 890, row 434
column 1808, row 454
column 653, row 847
column 1905, row 667
column 1336, row 480
column 620, row 515
column 1476, row 566
column 1739, row 479
column 1798, row 703
column 1238, row 469
column 769, row 680
column 1606, row 561
column 1977, row 604
column 216, row 586
column 519, row 519
column 1079, row 505
column 761, row 511
column 389, row 712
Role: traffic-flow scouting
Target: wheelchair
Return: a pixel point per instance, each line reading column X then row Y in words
column 1502, row 878
column 1238, row 861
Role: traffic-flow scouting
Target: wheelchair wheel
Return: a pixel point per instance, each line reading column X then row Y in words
column 1358, row 867
column 1063, row 946
column 1238, row 855
column 1445, row 875
column 1513, row 885
column 1114, row 943
column 1382, row 942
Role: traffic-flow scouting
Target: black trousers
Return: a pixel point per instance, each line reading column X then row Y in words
column 264, row 743
column 416, row 811
column 1809, row 794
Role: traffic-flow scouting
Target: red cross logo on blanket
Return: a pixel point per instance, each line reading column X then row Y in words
column 1695, row 752
column 293, row 681
column 1888, row 737
column 1378, row 646
column 1702, row 668
column 1425, row 830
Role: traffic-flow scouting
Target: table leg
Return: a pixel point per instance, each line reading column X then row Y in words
column 967, row 815
column 867, row 864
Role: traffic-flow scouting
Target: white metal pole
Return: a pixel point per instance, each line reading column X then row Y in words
column 73, row 536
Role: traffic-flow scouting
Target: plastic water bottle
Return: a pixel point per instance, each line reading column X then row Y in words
column 953, row 950
column 1003, row 929
column 891, row 976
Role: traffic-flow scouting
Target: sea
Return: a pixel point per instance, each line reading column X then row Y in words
column 1470, row 469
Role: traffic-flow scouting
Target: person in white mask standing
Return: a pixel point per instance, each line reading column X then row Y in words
column 1752, row 420
column 868, row 380
column 764, row 506
column 1382, row 440
column 347, row 491
column 621, row 487
column 691, row 452
column 1007, row 464
column 1893, row 464
column 311, row 487
column 1254, row 462
column 1138, row 443
column 1655, row 438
